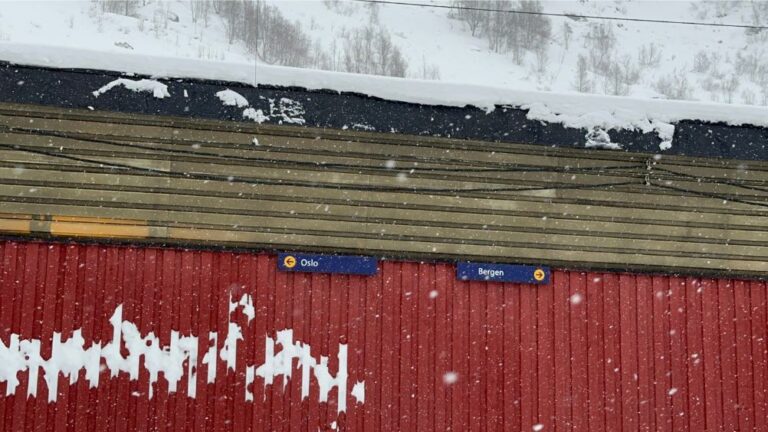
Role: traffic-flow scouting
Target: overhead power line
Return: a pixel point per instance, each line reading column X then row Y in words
column 564, row 15
column 500, row 168
column 271, row 182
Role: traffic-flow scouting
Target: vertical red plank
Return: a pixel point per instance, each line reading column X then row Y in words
column 117, row 399
column 163, row 318
column 103, row 396
column 628, row 310
column 185, row 291
column 204, row 342
column 67, row 325
column 51, row 295
column 662, row 354
column 222, row 284
column 334, row 339
column 356, row 336
column 191, row 303
column 280, row 409
column 477, row 349
column 7, row 296
column 644, row 299
column 48, row 278
column 759, row 355
column 26, row 298
column 373, row 350
column 121, row 394
column 595, row 351
column 512, row 378
column 528, row 353
column 612, row 334
column 425, row 350
column 442, row 294
column 390, row 296
column 86, row 293
column 579, row 351
column 96, row 294
column 694, row 339
column 237, row 377
column 29, row 296
column 678, row 392
column 563, row 395
column 729, row 371
column 341, row 292
column 742, row 306
column 713, row 389
column 546, row 355
column 298, row 287
column 254, row 339
column 495, row 359
column 408, row 342
column 38, row 412
column 147, row 290
column 320, row 327
column 459, row 357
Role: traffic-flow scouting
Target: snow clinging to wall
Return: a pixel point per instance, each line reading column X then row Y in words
column 175, row 361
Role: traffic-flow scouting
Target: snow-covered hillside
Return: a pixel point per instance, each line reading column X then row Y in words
column 646, row 60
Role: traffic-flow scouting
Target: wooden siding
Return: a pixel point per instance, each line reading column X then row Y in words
column 184, row 181
column 590, row 351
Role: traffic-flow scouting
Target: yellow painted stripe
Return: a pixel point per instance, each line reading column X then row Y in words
column 84, row 229
column 15, row 225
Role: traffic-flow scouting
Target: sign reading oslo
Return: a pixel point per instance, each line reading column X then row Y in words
column 502, row 273
column 345, row 264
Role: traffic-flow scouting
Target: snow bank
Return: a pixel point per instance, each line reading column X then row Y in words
column 571, row 109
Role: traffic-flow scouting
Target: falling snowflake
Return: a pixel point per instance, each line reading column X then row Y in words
column 450, row 377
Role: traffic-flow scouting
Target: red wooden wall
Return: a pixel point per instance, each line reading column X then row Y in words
column 591, row 351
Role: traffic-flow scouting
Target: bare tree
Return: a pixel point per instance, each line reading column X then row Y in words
column 674, row 86
column 582, row 83
column 567, row 33
column 701, row 62
column 469, row 14
column 601, row 41
column 729, row 87
column 121, row 7
column 649, row 56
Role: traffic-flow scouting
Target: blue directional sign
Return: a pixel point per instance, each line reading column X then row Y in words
column 502, row 273
column 345, row 264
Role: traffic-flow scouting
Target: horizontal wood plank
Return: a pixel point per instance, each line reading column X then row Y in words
column 204, row 182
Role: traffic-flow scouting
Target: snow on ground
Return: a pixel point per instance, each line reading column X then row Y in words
column 430, row 39
column 73, row 34
column 571, row 109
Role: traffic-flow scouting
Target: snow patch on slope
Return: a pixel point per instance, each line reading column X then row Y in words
column 158, row 89
column 232, row 98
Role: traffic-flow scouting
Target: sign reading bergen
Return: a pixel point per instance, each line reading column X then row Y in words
column 345, row 264
column 502, row 273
